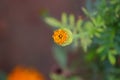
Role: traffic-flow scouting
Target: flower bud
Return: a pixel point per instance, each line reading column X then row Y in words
column 62, row 37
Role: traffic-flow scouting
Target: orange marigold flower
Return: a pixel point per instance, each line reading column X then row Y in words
column 21, row 73
column 62, row 37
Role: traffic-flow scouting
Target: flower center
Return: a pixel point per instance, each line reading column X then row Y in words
column 60, row 36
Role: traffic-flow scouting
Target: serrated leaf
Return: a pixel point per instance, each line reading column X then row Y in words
column 52, row 22
column 112, row 59
column 61, row 56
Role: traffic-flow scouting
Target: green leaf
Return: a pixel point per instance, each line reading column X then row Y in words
column 100, row 49
column 112, row 59
column 103, row 57
column 75, row 78
column 90, row 56
column 64, row 19
column 52, row 22
column 85, row 42
column 85, row 11
column 92, row 18
column 61, row 56
column 113, row 51
column 100, row 29
column 71, row 20
column 89, row 27
column 97, row 34
column 78, row 25
column 57, row 77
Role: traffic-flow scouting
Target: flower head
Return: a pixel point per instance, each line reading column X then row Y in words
column 21, row 73
column 62, row 36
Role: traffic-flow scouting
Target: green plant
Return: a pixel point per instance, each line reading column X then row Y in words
column 98, row 36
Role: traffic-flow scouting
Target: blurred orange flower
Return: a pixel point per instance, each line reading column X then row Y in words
column 21, row 73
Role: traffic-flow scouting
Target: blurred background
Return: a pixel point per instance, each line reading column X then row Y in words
column 24, row 37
